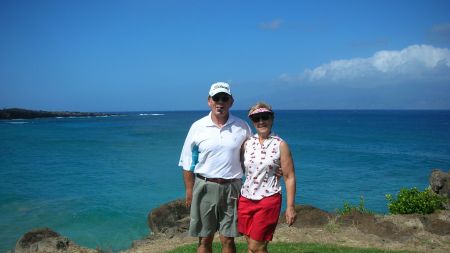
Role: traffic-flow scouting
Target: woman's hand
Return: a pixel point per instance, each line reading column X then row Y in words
column 290, row 215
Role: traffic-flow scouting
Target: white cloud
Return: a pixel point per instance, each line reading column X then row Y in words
column 272, row 25
column 417, row 62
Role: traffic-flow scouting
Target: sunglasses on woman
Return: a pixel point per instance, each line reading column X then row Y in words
column 256, row 118
column 224, row 99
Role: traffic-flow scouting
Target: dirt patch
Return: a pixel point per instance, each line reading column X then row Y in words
column 352, row 237
column 419, row 233
column 336, row 234
column 423, row 233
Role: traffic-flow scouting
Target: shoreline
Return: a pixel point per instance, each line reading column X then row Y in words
column 22, row 114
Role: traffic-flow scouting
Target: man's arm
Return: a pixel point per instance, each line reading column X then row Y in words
column 188, row 177
column 188, row 160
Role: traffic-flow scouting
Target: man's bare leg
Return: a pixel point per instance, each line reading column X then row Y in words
column 205, row 244
column 228, row 245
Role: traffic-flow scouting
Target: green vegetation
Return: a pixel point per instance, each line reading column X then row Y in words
column 349, row 208
column 412, row 200
column 290, row 247
column 332, row 226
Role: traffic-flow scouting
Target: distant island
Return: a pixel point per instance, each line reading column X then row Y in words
column 18, row 113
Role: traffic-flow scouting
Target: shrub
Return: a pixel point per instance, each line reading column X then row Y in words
column 412, row 200
column 349, row 208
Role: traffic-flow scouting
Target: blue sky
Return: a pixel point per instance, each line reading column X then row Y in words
column 163, row 55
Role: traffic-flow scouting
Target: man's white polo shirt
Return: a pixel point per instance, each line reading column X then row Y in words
column 218, row 148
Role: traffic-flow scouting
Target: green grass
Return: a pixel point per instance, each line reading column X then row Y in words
column 289, row 248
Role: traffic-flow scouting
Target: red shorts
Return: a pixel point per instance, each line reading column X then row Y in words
column 258, row 219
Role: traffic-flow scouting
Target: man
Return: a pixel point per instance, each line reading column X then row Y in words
column 212, row 171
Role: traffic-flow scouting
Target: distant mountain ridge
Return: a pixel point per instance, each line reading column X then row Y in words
column 19, row 113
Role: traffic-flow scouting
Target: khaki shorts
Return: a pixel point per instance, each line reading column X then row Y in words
column 214, row 208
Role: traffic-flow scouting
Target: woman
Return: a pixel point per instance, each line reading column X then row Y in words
column 260, row 202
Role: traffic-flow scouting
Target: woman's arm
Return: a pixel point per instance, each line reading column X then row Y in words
column 287, row 166
column 242, row 156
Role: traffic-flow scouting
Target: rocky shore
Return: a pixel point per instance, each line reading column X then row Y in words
column 169, row 223
column 18, row 113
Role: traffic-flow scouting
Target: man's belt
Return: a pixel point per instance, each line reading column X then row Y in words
column 217, row 180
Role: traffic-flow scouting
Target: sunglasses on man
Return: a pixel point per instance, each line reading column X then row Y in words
column 223, row 98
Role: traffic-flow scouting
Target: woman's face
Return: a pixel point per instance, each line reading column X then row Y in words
column 262, row 123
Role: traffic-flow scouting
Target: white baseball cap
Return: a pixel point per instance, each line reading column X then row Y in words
column 218, row 88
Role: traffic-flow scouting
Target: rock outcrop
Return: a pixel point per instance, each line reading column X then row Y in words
column 45, row 240
column 171, row 218
column 440, row 184
column 309, row 216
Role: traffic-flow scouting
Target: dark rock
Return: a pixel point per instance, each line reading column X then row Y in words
column 440, row 184
column 171, row 218
column 46, row 240
column 36, row 236
column 370, row 224
column 437, row 223
column 309, row 216
column 41, row 240
column 398, row 227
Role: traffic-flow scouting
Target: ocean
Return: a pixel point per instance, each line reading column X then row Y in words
column 96, row 179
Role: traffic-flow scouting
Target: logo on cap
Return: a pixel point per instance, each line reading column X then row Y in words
column 219, row 87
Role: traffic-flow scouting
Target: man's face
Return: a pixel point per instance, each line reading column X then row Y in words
column 220, row 104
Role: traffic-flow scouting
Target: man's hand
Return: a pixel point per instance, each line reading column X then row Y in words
column 188, row 199
column 279, row 173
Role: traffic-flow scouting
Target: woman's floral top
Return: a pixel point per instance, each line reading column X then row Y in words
column 261, row 161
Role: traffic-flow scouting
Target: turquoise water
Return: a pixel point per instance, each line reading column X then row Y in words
column 95, row 179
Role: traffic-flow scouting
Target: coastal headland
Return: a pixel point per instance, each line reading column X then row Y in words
column 169, row 224
column 19, row 113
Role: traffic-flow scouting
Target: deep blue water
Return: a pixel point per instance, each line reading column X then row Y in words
column 95, row 180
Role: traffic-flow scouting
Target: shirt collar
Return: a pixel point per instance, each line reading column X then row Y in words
column 230, row 120
column 272, row 135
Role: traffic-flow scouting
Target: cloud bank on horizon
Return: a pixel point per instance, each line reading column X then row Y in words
column 416, row 63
